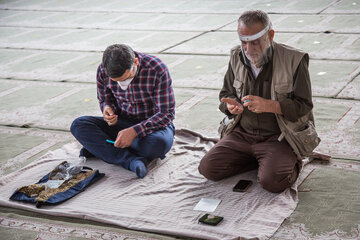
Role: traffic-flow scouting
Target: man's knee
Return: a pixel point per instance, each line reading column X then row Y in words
column 274, row 183
column 206, row 169
column 160, row 147
column 78, row 123
column 155, row 147
column 75, row 124
column 165, row 144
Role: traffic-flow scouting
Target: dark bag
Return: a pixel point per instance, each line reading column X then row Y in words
column 42, row 194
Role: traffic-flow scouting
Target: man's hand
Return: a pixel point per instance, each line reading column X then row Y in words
column 233, row 109
column 258, row 104
column 109, row 116
column 125, row 137
column 233, row 106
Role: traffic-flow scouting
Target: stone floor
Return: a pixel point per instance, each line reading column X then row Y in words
column 50, row 50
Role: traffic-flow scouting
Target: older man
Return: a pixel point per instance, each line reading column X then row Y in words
column 267, row 97
column 137, row 100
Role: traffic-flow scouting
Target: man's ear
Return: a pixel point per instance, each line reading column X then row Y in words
column 136, row 61
column 271, row 35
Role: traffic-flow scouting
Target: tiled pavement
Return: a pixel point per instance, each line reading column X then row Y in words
column 50, row 51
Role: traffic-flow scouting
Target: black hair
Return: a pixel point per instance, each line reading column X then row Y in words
column 117, row 58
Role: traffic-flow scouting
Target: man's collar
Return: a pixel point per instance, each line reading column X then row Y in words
column 138, row 56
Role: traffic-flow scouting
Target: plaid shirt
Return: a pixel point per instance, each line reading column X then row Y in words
column 149, row 100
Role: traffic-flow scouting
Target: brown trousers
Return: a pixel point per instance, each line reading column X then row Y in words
column 278, row 167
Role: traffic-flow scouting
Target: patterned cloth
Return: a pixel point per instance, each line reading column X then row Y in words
column 148, row 101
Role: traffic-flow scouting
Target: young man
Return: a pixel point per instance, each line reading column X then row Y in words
column 138, row 105
column 267, row 94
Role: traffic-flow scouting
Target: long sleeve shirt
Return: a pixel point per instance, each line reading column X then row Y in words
column 296, row 105
column 148, row 101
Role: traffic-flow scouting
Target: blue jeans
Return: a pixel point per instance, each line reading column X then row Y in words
column 92, row 133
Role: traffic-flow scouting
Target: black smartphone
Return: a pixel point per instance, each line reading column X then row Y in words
column 210, row 219
column 242, row 185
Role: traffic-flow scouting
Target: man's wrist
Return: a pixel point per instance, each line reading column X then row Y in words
column 104, row 105
column 274, row 106
column 139, row 130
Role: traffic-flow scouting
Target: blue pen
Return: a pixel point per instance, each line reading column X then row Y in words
column 109, row 141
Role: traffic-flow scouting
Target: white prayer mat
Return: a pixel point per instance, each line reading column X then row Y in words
column 164, row 201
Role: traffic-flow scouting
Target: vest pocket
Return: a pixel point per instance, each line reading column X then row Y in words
column 305, row 138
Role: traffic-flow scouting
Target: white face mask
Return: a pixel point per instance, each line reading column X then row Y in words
column 125, row 84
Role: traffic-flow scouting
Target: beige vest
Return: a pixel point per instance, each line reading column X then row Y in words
column 301, row 135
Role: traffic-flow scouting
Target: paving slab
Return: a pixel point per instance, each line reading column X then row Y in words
column 123, row 21
column 38, row 103
column 34, row 4
column 49, row 65
column 88, row 40
column 29, row 95
column 318, row 45
column 352, row 6
column 329, row 78
column 23, row 18
column 4, row 88
column 284, row 6
column 205, row 6
column 186, row 70
column 199, row 112
column 10, row 13
column 328, row 204
column 197, row 71
column 42, row 64
column 126, row 6
column 352, row 90
column 337, row 123
column 309, row 23
column 25, row 145
column 8, row 57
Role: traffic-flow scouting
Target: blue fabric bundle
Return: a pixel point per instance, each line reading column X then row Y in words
column 41, row 194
